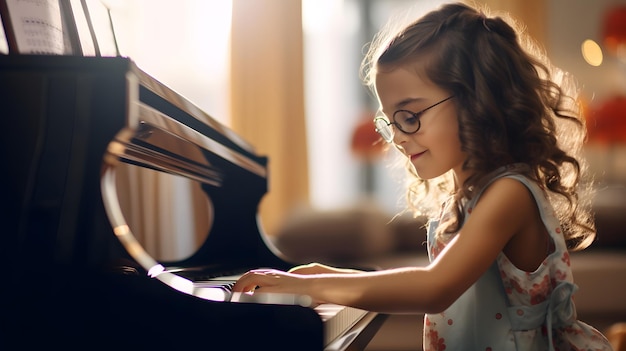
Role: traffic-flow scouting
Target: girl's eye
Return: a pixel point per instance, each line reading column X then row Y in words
column 406, row 118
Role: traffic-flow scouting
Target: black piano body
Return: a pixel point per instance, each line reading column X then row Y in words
column 74, row 275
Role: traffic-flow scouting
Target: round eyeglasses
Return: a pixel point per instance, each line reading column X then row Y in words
column 407, row 122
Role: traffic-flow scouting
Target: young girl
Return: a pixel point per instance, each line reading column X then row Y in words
column 491, row 136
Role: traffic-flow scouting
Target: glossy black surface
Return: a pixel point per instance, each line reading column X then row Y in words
column 67, row 280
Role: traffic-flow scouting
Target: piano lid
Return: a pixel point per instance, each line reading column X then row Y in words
column 201, row 218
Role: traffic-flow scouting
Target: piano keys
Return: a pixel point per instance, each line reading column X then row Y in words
column 82, row 136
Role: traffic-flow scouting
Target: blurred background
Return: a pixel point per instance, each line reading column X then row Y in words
column 285, row 75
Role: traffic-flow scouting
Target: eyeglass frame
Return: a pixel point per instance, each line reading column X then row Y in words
column 417, row 115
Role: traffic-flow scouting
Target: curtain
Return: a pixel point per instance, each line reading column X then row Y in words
column 267, row 98
column 168, row 214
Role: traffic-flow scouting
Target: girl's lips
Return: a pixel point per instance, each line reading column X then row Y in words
column 415, row 156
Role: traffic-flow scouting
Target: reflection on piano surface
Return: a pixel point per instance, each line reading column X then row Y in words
column 94, row 256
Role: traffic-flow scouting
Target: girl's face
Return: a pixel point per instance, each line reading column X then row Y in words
column 435, row 148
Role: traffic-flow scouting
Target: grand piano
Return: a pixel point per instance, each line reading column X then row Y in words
column 86, row 263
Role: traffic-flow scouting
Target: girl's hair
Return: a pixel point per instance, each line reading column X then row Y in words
column 512, row 107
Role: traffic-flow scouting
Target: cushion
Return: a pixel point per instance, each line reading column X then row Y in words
column 335, row 236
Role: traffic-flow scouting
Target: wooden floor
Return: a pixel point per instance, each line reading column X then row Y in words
column 399, row 333
column 404, row 332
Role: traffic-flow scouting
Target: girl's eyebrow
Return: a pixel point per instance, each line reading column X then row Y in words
column 402, row 103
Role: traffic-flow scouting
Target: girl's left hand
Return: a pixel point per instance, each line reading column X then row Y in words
column 270, row 281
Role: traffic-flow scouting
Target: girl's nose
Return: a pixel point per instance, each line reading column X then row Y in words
column 398, row 136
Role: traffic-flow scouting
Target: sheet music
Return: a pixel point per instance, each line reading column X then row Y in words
column 4, row 44
column 37, row 25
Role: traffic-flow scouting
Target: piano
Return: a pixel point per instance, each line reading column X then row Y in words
column 87, row 258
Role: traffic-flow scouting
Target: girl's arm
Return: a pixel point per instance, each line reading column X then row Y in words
column 501, row 213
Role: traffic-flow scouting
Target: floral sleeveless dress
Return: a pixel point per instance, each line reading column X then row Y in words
column 511, row 309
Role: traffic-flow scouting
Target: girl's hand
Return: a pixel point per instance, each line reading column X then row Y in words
column 298, row 281
column 269, row 281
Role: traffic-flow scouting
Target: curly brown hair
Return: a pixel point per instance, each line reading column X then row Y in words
column 512, row 107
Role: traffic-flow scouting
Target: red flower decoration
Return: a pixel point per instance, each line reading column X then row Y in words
column 366, row 143
column 606, row 123
column 614, row 28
